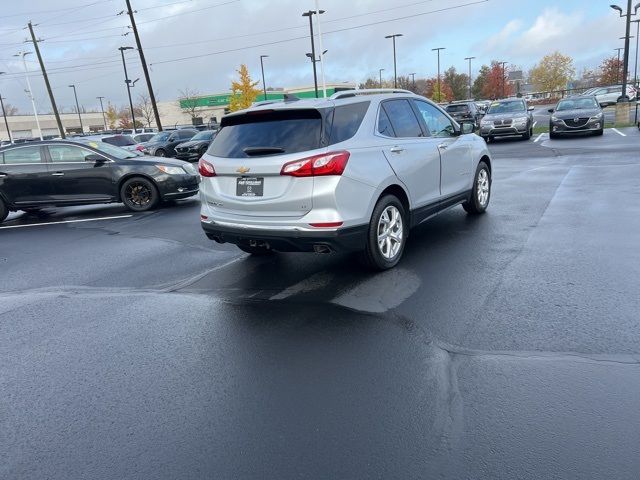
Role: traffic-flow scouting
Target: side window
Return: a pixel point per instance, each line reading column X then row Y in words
column 185, row 134
column 384, row 124
column 23, row 155
column 437, row 122
column 404, row 121
column 67, row 153
column 346, row 121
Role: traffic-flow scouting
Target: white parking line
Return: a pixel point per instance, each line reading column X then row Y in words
column 534, row 124
column 619, row 132
column 67, row 221
column 538, row 138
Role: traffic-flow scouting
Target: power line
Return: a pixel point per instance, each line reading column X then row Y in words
column 326, row 33
column 27, row 14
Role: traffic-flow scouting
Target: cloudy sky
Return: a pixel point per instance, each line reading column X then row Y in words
column 198, row 44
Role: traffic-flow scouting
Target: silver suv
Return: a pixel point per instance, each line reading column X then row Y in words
column 353, row 172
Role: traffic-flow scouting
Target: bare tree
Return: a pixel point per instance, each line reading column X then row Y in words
column 145, row 108
column 188, row 102
column 10, row 109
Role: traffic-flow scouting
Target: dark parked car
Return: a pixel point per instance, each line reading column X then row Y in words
column 163, row 144
column 506, row 118
column 192, row 150
column 467, row 112
column 143, row 137
column 576, row 115
column 81, row 172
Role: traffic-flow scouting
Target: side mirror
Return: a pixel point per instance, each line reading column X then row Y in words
column 551, row 110
column 95, row 158
column 531, row 108
column 467, row 128
column 604, row 105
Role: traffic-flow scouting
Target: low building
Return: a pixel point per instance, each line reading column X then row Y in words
column 24, row 126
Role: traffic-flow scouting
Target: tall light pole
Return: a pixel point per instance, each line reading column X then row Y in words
column 264, row 85
column 128, row 82
column 4, row 114
column 618, row 64
column 28, row 91
column 324, row 83
column 470, row 58
column 380, row 75
column 439, row 91
column 395, row 66
column 104, row 119
column 310, row 14
column 504, row 78
column 75, row 94
column 413, row 81
column 625, row 67
column 635, row 74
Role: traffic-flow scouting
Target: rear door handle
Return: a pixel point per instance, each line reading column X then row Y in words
column 443, row 146
column 57, row 174
column 397, row 150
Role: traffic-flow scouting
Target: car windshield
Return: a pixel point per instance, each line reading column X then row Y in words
column 206, row 135
column 160, row 137
column 119, row 140
column 112, row 150
column 507, row 107
column 458, row 108
column 577, row 104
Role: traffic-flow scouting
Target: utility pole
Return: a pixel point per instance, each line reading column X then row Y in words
column 264, row 85
column 470, row 58
column 104, row 119
column 395, row 67
column 439, row 91
column 46, row 81
column 504, row 78
column 152, row 96
column 29, row 91
column 380, row 74
column 4, row 114
column 77, row 107
column 128, row 83
column 310, row 14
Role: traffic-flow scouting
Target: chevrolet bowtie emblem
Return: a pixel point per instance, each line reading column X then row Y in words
column 243, row 170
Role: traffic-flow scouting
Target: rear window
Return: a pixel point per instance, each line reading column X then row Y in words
column 119, row 141
column 289, row 131
column 457, row 108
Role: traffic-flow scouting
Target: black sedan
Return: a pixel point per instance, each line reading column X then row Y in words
column 580, row 114
column 81, row 172
column 192, row 150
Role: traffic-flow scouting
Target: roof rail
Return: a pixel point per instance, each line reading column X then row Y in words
column 368, row 91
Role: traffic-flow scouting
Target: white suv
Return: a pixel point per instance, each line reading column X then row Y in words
column 353, row 172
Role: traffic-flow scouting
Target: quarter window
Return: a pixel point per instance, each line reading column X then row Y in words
column 68, row 153
column 384, row 124
column 404, row 121
column 23, row 155
column 437, row 122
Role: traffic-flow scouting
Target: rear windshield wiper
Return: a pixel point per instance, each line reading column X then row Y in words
column 251, row 151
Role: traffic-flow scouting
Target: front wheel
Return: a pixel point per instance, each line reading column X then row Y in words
column 139, row 194
column 160, row 153
column 528, row 134
column 481, row 192
column 387, row 234
column 4, row 211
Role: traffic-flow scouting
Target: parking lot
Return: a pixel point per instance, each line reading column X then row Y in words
column 502, row 346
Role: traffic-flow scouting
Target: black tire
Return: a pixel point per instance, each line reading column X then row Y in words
column 599, row 133
column 527, row 135
column 160, row 153
column 4, row 211
column 139, row 194
column 256, row 251
column 372, row 256
column 474, row 205
column 553, row 135
column 202, row 151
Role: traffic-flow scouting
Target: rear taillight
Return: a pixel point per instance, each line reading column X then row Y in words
column 332, row 163
column 206, row 169
column 140, row 148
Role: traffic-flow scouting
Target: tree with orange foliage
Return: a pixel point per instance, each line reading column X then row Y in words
column 611, row 71
column 444, row 95
column 497, row 85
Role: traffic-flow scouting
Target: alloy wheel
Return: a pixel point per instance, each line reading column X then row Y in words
column 390, row 232
column 482, row 188
column 138, row 194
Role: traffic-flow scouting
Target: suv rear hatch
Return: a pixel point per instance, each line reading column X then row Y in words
column 251, row 149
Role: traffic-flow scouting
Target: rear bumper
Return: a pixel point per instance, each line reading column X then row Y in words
column 349, row 239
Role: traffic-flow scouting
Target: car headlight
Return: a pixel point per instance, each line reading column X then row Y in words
column 597, row 117
column 171, row 170
column 520, row 122
column 485, row 123
column 554, row 118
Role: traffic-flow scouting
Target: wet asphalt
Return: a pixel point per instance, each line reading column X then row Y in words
column 501, row 347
